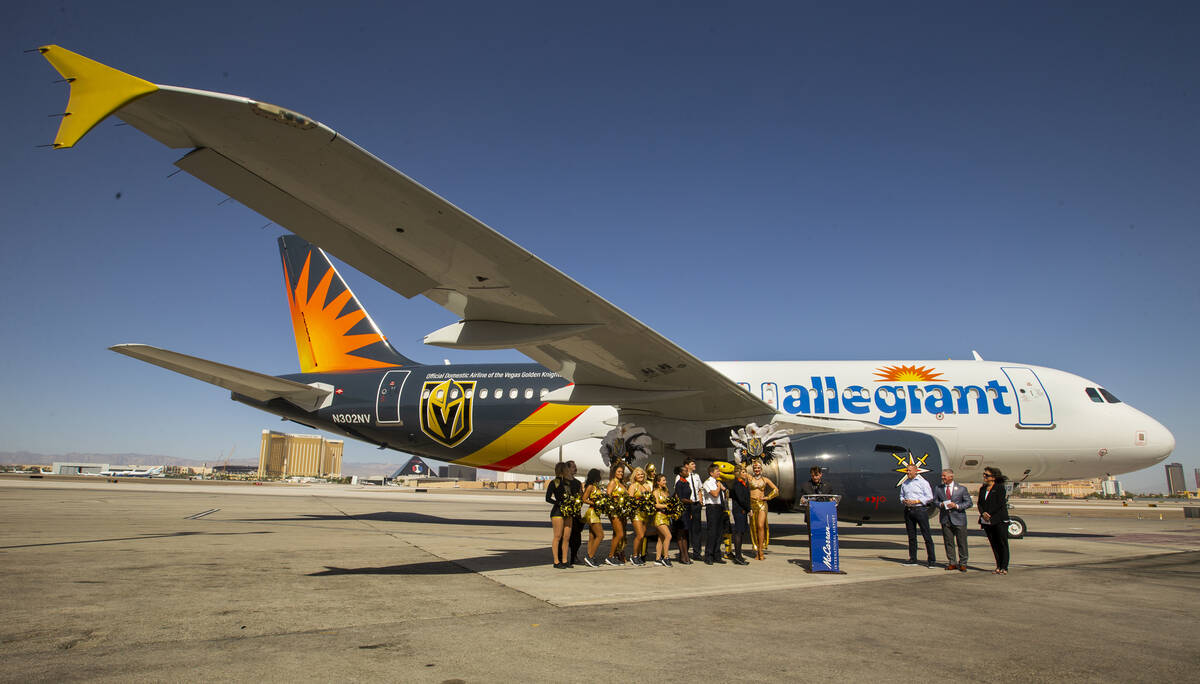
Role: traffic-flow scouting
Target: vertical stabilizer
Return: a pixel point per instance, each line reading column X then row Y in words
column 333, row 330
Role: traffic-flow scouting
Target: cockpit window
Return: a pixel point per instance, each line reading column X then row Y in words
column 1109, row 396
column 1093, row 395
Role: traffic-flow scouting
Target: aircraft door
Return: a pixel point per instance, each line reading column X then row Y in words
column 770, row 395
column 1033, row 403
column 387, row 398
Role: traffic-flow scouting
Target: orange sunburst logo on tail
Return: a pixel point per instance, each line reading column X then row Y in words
column 908, row 374
column 321, row 329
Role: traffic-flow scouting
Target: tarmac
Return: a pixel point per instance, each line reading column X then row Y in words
column 141, row 581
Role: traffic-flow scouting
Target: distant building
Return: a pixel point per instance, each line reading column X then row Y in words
column 1073, row 488
column 457, row 472
column 1175, row 481
column 517, row 477
column 235, row 469
column 285, row 455
column 1110, row 486
column 69, row 468
column 414, row 468
column 1197, row 473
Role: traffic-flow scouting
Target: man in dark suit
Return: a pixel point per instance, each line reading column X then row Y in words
column 952, row 501
column 695, row 509
column 683, row 526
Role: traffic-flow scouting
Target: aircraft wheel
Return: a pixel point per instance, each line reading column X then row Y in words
column 1016, row 528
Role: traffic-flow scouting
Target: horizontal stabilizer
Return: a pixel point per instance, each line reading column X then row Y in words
column 257, row 386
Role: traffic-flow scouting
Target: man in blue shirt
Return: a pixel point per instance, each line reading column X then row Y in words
column 916, row 495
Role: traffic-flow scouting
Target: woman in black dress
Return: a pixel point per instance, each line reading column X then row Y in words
column 993, row 516
column 556, row 493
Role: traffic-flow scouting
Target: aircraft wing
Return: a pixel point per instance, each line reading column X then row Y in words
column 257, row 386
column 313, row 181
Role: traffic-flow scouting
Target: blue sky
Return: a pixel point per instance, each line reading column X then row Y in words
column 869, row 181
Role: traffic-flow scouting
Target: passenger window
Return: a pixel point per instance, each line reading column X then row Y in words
column 1109, row 396
column 900, row 392
column 470, row 393
column 848, row 393
column 543, row 393
column 425, row 394
column 512, row 393
column 1093, row 395
column 528, row 392
column 483, row 394
column 453, row 394
column 830, row 393
column 919, row 393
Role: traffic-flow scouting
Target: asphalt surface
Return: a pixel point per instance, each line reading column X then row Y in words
column 116, row 582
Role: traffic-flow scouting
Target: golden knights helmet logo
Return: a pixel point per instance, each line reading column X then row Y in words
column 446, row 408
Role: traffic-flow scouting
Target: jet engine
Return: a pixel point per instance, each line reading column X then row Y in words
column 864, row 467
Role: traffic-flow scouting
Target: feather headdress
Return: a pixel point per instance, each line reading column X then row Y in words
column 753, row 442
column 626, row 442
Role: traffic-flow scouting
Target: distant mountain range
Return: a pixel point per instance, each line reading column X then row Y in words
column 31, row 458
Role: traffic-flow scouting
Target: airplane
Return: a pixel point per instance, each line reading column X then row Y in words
column 598, row 371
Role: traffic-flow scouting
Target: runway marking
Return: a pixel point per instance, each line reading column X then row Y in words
column 201, row 514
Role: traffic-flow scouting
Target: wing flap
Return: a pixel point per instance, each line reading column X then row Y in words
column 257, row 386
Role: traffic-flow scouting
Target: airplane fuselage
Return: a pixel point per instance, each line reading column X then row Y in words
column 1034, row 423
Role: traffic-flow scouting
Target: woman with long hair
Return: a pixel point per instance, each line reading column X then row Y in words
column 662, row 551
column 993, row 516
column 758, row 507
column 616, row 488
column 592, row 517
column 556, row 493
column 639, row 488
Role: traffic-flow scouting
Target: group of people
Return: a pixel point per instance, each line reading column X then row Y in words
column 743, row 504
column 952, row 500
column 707, row 509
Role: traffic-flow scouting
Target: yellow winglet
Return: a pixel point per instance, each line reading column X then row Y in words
column 96, row 92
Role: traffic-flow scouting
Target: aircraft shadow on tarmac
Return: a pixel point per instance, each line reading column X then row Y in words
column 406, row 517
column 137, row 538
column 506, row 559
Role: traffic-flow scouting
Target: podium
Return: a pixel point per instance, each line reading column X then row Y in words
column 822, row 532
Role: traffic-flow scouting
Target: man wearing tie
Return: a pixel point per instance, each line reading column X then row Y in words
column 953, row 500
column 714, row 512
column 696, row 509
column 917, row 495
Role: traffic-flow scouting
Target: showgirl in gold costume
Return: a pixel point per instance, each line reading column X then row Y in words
column 661, row 522
column 759, row 532
column 639, row 487
column 616, row 488
column 592, row 518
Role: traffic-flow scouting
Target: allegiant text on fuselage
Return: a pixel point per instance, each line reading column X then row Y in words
column 894, row 402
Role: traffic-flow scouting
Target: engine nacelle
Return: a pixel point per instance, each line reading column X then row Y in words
column 864, row 467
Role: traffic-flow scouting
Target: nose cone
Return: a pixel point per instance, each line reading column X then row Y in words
column 1167, row 439
column 1159, row 442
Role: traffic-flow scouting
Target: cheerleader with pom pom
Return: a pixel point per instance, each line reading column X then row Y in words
column 639, row 491
column 662, row 521
column 592, row 491
column 557, row 493
column 617, row 495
